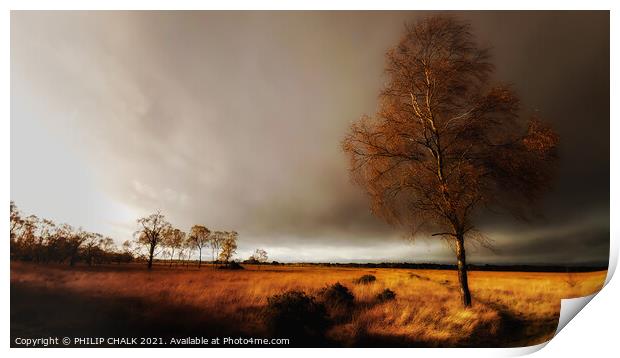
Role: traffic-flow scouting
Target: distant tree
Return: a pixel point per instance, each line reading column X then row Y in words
column 215, row 242
column 16, row 222
column 229, row 247
column 128, row 248
column 78, row 239
column 260, row 256
column 90, row 244
column 45, row 231
column 25, row 244
column 61, row 249
column 189, row 248
column 182, row 250
column 445, row 142
column 174, row 240
column 150, row 233
column 106, row 249
column 124, row 254
column 107, row 244
column 199, row 237
column 44, row 241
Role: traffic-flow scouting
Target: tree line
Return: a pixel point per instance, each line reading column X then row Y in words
column 158, row 236
column 42, row 240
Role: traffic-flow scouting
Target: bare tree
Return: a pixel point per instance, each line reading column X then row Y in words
column 150, row 233
column 199, row 237
column 445, row 142
column 260, row 256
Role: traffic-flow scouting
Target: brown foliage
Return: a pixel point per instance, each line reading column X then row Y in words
column 445, row 142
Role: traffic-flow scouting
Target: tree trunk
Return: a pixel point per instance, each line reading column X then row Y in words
column 462, row 270
column 199, row 257
column 151, row 251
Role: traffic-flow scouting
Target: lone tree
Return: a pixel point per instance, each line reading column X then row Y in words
column 259, row 256
column 199, row 238
column 446, row 143
column 151, row 233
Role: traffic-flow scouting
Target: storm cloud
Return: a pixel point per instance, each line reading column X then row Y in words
column 234, row 120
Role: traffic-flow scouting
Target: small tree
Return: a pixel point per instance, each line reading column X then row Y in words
column 229, row 246
column 215, row 242
column 91, row 242
column 174, row 239
column 199, row 238
column 150, row 233
column 188, row 249
column 182, row 249
column 260, row 256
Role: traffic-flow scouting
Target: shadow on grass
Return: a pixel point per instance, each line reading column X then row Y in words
column 39, row 311
column 514, row 330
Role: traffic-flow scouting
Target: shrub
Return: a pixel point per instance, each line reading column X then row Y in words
column 386, row 295
column 336, row 295
column 366, row 279
column 295, row 314
column 233, row 265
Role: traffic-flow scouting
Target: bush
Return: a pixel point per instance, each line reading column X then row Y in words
column 233, row 265
column 295, row 314
column 366, row 279
column 386, row 295
column 337, row 295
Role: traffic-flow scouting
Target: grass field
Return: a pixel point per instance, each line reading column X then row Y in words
column 509, row 308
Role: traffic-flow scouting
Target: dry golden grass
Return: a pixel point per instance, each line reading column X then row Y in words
column 509, row 308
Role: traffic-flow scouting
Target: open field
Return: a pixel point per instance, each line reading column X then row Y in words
column 509, row 309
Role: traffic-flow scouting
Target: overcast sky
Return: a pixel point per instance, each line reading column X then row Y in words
column 234, row 120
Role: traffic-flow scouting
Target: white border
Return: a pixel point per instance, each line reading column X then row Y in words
column 594, row 326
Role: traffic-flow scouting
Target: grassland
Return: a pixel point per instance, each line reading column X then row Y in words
column 509, row 308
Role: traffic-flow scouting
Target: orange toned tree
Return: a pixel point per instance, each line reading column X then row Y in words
column 151, row 234
column 446, row 143
column 199, row 237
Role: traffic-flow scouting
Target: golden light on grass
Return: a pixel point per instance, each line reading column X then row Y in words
column 509, row 308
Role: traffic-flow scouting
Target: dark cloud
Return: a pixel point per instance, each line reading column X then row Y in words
column 234, row 120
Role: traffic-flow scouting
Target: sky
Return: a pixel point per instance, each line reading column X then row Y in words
column 234, row 120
